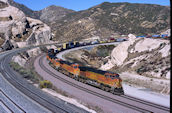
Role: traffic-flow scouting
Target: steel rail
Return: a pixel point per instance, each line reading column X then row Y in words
column 11, row 101
column 146, row 102
column 13, row 78
column 91, row 92
column 9, row 75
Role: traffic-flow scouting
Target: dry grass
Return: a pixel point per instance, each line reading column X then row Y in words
column 1, row 41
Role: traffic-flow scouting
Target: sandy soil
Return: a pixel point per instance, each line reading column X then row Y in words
column 161, row 86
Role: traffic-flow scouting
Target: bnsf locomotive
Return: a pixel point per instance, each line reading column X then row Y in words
column 105, row 80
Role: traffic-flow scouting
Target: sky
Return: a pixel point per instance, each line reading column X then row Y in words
column 78, row 5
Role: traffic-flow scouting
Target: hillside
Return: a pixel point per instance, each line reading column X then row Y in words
column 104, row 20
column 108, row 19
column 145, row 56
column 47, row 15
column 142, row 62
column 28, row 12
column 17, row 30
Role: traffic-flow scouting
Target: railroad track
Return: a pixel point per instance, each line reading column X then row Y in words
column 146, row 102
column 32, row 92
column 17, row 106
column 140, row 109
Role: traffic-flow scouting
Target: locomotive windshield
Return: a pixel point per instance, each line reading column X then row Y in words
column 75, row 67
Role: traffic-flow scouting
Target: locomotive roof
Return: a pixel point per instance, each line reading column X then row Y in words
column 65, row 62
column 92, row 69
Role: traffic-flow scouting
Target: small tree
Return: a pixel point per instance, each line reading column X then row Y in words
column 45, row 84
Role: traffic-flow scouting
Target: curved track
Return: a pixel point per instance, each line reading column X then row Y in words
column 36, row 95
column 140, row 105
column 146, row 103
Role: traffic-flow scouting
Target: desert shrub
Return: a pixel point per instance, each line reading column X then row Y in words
column 45, row 84
column 15, row 66
column 25, row 73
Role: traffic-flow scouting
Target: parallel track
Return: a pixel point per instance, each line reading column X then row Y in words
column 12, row 102
column 17, row 83
column 92, row 92
column 10, row 76
column 146, row 102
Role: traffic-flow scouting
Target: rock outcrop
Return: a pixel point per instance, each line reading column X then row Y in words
column 17, row 30
column 12, row 24
column 149, row 57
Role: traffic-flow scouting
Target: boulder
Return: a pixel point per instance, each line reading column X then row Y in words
column 145, row 56
column 21, row 61
column 168, row 75
column 7, row 45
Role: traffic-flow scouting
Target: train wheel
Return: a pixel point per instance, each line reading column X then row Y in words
column 111, row 91
column 107, row 89
column 83, row 81
column 102, row 87
column 60, row 70
column 76, row 78
column 79, row 79
column 70, row 75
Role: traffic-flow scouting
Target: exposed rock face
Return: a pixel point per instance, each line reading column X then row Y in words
column 41, row 32
column 12, row 19
column 28, row 12
column 150, row 57
column 49, row 14
column 21, row 61
column 17, row 30
column 7, row 45
column 12, row 23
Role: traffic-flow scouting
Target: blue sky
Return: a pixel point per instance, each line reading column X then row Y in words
column 78, row 5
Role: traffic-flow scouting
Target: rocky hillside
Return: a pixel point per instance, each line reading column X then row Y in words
column 53, row 13
column 145, row 56
column 110, row 19
column 28, row 12
column 142, row 62
column 47, row 15
column 17, row 30
column 104, row 20
column 93, row 57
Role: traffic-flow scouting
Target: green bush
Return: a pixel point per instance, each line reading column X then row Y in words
column 26, row 73
column 45, row 84
column 15, row 66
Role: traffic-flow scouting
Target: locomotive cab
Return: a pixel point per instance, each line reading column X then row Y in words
column 115, row 81
column 76, row 69
column 57, row 62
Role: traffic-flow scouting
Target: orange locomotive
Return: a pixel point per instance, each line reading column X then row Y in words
column 105, row 80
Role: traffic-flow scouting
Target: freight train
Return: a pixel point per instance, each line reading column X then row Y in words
column 105, row 80
column 164, row 36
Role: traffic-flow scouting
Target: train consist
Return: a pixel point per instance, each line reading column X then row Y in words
column 105, row 80
column 163, row 36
